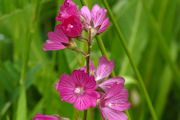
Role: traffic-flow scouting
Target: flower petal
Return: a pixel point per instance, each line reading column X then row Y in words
column 66, row 89
column 104, row 26
column 93, row 96
column 45, row 117
column 58, row 35
column 50, row 45
column 106, row 85
column 69, row 8
column 117, row 98
column 85, row 13
column 83, row 79
column 104, row 68
column 95, row 9
column 98, row 15
column 82, row 103
column 113, row 115
column 102, row 113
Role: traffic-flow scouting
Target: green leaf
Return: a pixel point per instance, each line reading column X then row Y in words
column 21, row 106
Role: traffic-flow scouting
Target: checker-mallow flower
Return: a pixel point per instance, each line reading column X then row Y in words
column 95, row 20
column 114, row 102
column 57, row 40
column 69, row 18
column 78, row 89
column 103, row 70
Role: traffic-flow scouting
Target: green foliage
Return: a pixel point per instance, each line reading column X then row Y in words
column 151, row 30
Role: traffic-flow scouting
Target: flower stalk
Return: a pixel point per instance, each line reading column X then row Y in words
column 87, row 64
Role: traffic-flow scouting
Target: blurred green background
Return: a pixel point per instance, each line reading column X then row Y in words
column 25, row 91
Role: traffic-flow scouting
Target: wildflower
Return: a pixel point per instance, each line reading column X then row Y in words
column 78, row 89
column 69, row 18
column 68, row 9
column 104, row 69
column 114, row 102
column 72, row 26
column 56, row 41
column 95, row 19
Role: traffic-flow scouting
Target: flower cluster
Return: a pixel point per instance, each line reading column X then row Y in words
column 86, row 87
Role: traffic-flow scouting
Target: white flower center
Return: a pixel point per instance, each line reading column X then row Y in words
column 109, row 104
column 79, row 91
column 70, row 26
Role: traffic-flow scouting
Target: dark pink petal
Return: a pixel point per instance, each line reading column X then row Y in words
column 82, row 103
column 89, row 99
column 72, row 26
column 104, row 68
column 99, row 17
column 83, row 79
column 116, row 98
column 91, row 68
column 113, row 115
column 69, row 3
column 68, row 95
column 102, row 114
column 85, row 13
column 104, row 26
column 68, row 9
column 45, row 117
column 119, row 102
column 58, row 35
column 95, row 9
column 50, row 45
column 106, row 85
column 66, row 81
column 56, row 39
column 66, row 88
column 93, row 96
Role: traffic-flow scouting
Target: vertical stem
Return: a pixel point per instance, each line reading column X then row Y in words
column 87, row 63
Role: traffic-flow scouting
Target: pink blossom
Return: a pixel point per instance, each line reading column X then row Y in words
column 72, row 26
column 78, row 89
column 104, row 69
column 56, row 40
column 114, row 102
column 68, row 9
column 95, row 18
column 45, row 117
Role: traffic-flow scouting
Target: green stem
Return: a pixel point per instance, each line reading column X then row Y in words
column 87, row 63
column 85, row 115
column 28, row 44
column 122, row 40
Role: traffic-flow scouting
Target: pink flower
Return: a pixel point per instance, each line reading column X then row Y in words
column 68, row 9
column 113, row 102
column 45, row 117
column 78, row 89
column 56, row 40
column 104, row 69
column 96, row 17
column 72, row 26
